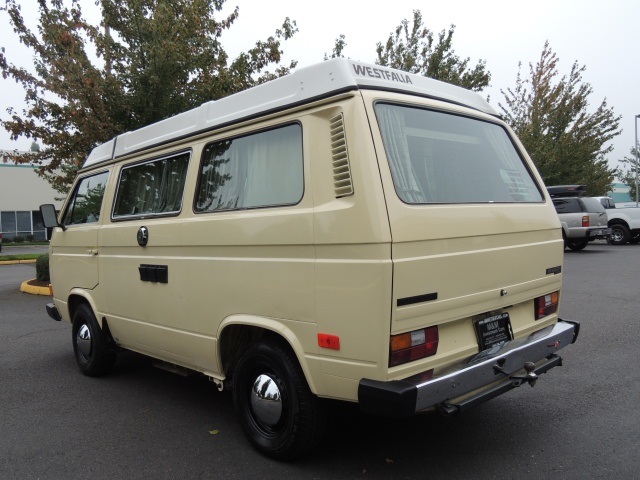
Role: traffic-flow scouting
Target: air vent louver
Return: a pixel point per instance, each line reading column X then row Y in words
column 340, row 157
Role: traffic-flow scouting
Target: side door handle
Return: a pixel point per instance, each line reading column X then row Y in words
column 93, row 251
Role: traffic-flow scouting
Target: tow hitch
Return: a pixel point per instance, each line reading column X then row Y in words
column 531, row 377
column 510, row 382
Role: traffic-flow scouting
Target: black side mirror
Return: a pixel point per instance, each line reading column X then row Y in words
column 49, row 216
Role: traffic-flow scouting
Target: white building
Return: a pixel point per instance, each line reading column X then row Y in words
column 22, row 192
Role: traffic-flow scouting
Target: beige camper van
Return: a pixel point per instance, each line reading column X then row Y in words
column 346, row 232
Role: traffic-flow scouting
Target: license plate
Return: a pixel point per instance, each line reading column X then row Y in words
column 494, row 330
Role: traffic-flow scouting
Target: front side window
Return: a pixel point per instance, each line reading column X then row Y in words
column 259, row 170
column 152, row 188
column 437, row 157
column 86, row 202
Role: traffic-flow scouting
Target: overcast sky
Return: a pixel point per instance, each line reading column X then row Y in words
column 604, row 36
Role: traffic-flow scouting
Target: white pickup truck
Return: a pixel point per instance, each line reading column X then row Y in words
column 624, row 222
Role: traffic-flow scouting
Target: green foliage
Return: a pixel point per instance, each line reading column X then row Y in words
column 18, row 239
column 148, row 60
column 411, row 47
column 551, row 115
column 42, row 268
column 629, row 171
column 338, row 47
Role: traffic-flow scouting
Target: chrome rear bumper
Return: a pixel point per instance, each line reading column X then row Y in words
column 495, row 368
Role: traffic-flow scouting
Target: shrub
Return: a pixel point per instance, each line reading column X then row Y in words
column 42, row 268
column 29, row 238
column 18, row 239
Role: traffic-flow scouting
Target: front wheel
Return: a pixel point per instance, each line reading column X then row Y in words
column 279, row 414
column 620, row 235
column 94, row 350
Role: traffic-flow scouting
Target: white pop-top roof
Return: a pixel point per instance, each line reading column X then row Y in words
column 303, row 86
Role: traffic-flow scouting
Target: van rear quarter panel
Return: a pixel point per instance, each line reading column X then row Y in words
column 353, row 271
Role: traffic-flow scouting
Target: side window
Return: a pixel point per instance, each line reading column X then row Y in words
column 85, row 205
column 152, row 188
column 260, row 170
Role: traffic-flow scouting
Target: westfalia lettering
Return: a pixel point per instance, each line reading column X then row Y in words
column 379, row 73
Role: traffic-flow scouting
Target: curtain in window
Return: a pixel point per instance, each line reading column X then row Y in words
column 392, row 126
column 260, row 170
column 153, row 187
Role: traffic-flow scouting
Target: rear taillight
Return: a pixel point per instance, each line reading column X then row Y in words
column 411, row 346
column 585, row 221
column 546, row 305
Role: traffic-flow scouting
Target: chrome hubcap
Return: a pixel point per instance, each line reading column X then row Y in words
column 266, row 400
column 83, row 340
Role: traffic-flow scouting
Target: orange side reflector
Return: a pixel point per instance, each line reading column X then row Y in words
column 51, row 290
column 326, row 340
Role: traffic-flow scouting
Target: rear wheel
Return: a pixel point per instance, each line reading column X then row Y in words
column 577, row 244
column 94, row 350
column 620, row 234
column 279, row 414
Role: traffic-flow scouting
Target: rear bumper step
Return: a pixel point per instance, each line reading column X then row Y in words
column 513, row 382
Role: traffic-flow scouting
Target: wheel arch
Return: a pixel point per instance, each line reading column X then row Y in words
column 618, row 221
column 79, row 297
column 237, row 332
column 76, row 298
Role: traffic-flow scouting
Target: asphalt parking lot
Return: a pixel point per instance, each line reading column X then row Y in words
column 580, row 421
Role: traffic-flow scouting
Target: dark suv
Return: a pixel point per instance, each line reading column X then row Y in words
column 583, row 219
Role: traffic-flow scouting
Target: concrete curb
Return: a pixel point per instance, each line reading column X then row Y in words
column 14, row 262
column 26, row 288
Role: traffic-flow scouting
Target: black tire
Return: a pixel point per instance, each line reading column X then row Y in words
column 620, row 234
column 576, row 245
column 296, row 422
column 94, row 350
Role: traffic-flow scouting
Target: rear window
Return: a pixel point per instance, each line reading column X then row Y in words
column 567, row 205
column 437, row 157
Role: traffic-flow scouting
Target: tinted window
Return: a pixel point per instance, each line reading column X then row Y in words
column 260, row 170
column 152, row 188
column 567, row 205
column 442, row 158
column 86, row 202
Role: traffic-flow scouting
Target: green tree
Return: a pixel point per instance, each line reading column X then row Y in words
column 148, row 60
column 627, row 173
column 338, row 47
column 412, row 47
column 551, row 115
